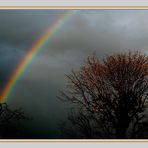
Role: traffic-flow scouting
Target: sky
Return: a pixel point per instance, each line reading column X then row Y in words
column 87, row 31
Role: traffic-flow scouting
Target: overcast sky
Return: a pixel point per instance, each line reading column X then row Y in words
column 103, row 31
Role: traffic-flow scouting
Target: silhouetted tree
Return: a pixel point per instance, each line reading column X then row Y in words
column 10, row 121
column 110, row 95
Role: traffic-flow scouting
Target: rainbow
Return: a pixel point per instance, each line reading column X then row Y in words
column 32, row 52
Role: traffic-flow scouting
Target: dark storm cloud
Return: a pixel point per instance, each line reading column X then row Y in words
column 103, row 31
column 9, row 59
column 24, row 26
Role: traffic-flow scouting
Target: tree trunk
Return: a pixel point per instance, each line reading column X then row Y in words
column 121, row 130
column 120, row 133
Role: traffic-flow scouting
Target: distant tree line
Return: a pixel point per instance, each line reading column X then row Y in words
column 10, row 122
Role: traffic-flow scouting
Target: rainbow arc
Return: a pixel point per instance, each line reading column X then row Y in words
column 38, row 46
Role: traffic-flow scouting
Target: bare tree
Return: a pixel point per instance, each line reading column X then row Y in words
column 113, row 92
column 10, row 121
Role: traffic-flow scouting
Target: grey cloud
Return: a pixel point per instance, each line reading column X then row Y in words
column 106, row 31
